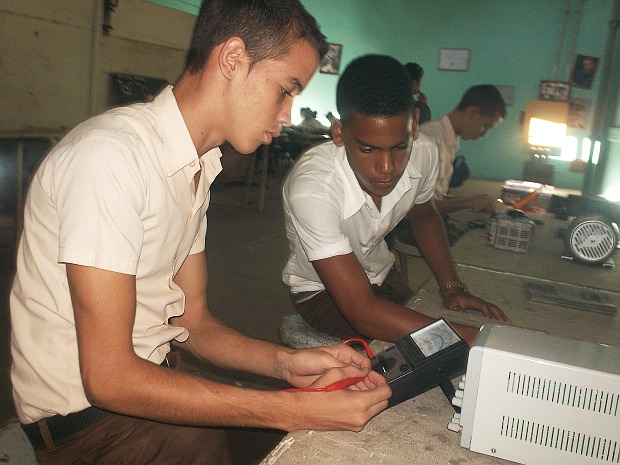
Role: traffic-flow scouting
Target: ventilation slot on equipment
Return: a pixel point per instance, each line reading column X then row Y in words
column 561, row 439
column 593, row 400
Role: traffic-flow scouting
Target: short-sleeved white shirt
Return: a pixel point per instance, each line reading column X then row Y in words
column 442, row 133
column 117, row 193
column 328, row 214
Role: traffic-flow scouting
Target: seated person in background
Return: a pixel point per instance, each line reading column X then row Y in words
column 481, row 109
column 341, row 199
column 295, row 139
column 111, row 268
column 421, row 101
column 309, row 123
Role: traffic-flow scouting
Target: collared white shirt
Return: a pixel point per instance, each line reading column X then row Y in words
column 442, row 133
column 328, row 214
column 117, row 193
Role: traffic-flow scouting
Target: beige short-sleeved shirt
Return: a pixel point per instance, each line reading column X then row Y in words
column 117, row 193
column 442, row 133
column 327, row 213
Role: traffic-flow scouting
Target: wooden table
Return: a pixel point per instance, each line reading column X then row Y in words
column 415, row 432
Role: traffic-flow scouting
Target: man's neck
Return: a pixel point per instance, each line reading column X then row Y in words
column 203, row 122
column 456, row 119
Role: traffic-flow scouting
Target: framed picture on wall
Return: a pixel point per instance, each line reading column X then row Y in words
column 554, row 90
column 453, row 59
column 584, row 71
column 125, row 89
column 331, row 61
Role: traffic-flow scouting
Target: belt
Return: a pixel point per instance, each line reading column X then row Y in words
column 45, row 433
column 59, row 427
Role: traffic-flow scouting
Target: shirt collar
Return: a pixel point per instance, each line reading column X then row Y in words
column 449, row 135
column 179, row 147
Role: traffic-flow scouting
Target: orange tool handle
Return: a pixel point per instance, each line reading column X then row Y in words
column 519, row 204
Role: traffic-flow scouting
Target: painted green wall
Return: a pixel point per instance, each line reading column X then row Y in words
column 512, row 42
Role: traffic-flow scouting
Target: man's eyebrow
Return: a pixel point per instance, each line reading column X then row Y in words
column 297, row 83
column 365, row 144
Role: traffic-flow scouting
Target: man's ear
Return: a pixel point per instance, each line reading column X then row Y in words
column 473, row 112
column 232, row 57
column 338, row 133
column 415, row 123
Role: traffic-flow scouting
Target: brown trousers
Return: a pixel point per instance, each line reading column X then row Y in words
column 118, row 439
column 321, row 312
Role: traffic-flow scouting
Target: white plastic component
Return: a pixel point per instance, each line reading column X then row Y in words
column 534, row 398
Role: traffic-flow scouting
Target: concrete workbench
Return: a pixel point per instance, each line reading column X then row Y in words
column 415, row 432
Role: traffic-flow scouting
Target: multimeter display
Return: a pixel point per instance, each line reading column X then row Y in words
column 424, row 359
column 434, row 337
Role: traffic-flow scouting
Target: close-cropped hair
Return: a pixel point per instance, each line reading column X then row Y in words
column 415, row 71
column 374, row 85
column 268, row 27
column 486, row 97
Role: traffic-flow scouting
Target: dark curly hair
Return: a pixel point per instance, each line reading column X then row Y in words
column 415, row 71
column 268, row 27
column 374, row 85
column 486, row 97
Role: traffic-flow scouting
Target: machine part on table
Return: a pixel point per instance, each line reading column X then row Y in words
column 535, row 398
column 591, row 239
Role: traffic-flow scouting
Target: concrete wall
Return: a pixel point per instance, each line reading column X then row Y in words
column 54, row 70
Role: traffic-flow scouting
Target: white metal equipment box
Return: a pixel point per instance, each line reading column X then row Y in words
column 512, row 234
column 536, row 399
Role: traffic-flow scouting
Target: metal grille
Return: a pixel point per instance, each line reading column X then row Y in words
column 511, row 235
column 592, row 240
column 585, row 445
column 580, row 397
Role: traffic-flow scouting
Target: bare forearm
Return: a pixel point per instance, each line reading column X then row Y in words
column 228, row 348
column 145, row 390
column 451, row 204
column 433, row 243
column 178, row 397
column 387, row 321
column 476, row 203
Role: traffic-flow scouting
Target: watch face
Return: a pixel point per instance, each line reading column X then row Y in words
column 434, row 337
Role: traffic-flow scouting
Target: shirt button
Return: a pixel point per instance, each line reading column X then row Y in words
column 193, row 163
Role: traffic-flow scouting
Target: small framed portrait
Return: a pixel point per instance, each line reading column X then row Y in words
column 331, row 61
column 555, row 91
column 584, row 71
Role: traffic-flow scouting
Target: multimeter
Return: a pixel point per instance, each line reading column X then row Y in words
column 428, row 357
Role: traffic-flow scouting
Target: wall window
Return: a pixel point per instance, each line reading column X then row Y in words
column 570, row 150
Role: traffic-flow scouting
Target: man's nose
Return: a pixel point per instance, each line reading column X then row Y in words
column 385, row 164
column 284, row 117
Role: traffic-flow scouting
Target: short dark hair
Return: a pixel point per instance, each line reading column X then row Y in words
column 374, row 85
column 268, row 27
column 486, row 97
column 415, row 71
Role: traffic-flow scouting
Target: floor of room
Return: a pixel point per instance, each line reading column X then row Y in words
column 246, row 251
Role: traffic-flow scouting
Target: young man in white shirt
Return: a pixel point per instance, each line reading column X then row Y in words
column 341, row 199
column 481, row 108
column 111, row 269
